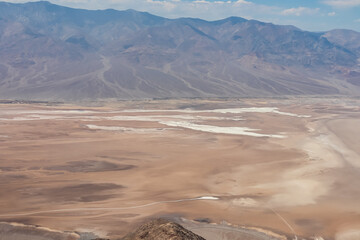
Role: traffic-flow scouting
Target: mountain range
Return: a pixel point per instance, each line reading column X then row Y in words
column 51, row 52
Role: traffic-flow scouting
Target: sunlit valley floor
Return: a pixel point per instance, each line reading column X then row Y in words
column 289, row 166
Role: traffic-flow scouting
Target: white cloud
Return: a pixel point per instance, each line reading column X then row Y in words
column 342, row 3
column 331, row 14
column 167, row 5
column 242, row 2
column 299, row 11
column 205, row 9
column 357, row 20
column 201, row 1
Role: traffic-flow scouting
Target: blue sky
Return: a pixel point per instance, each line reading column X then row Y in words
column 313, row 15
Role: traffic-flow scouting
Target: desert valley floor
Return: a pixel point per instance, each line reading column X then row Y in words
column 289, row 167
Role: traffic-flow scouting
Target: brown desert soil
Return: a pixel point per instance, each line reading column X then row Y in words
column 104, row 169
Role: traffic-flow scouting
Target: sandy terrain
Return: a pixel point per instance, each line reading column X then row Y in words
column 291, row 167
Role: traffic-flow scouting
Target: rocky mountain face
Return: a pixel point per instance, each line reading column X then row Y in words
column 161, row 229
column 50, row 52
column 346, row 38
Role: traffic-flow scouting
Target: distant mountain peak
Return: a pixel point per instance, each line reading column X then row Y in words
column 232, row 20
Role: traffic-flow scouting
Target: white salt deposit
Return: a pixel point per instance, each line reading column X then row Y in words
column 207, row 198
column 215, row 129
column 230, row 110
column 16, row 112
column 33, row 118
column 157, row 118
column 107, row 128
column 124, row 129
column 173, row 121
column 189, row 120
column 257, row 110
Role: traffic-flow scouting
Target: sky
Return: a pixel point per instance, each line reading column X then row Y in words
column 311, row 15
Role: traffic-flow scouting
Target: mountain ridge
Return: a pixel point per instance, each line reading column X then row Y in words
column 50, row 52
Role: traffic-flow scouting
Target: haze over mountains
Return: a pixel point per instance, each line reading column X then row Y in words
column 50, row 52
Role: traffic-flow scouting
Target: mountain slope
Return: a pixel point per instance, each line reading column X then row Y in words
column 346, row 38
column 162, row 230
column 50, row 52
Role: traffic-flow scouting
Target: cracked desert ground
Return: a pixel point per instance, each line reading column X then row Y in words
column 290, row 166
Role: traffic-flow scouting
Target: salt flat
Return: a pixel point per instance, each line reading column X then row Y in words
column 289, row 167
